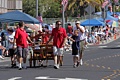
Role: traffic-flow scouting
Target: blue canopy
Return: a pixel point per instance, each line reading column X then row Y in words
column 92, row 22
column 100, row 13
column 109, row 17
column 15, row 16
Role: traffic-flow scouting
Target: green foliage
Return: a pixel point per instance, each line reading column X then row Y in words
column 53, row 11
column 29, row 7
column 52, row 8
column 48, row 8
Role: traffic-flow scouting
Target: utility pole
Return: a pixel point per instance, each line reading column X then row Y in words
column 36, row 8
column 63, row 17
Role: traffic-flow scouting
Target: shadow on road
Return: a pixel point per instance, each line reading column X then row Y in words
column 111, row 48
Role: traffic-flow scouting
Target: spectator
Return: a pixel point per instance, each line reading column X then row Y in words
column 11, row 50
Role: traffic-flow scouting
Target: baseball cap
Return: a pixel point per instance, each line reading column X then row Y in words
column 77, row 22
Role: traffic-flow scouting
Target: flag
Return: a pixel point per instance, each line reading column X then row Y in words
column 64, row 4
column 40, row 18
column 105, row 3
column 116, row 1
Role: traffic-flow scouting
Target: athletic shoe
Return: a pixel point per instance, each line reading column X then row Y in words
column 74, row 65
column 81, row 62
column 78, row 63
column 1, row 57
column 20, row 69
column 56, row 66
column 13, row 65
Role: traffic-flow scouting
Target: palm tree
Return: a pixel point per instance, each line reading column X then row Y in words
column 82, row 4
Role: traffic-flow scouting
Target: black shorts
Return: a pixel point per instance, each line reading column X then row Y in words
column 11, row 52
column 75, row 52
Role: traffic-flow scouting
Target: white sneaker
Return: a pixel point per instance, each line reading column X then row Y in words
column 56, row 66
column 81, row 62
column 1, row 57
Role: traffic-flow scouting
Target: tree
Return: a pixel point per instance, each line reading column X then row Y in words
column 46, row 8
column 29, row 7
column 80, row 5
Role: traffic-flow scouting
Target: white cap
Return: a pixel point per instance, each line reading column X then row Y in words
column 77, row 22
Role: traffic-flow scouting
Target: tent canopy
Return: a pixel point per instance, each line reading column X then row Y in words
column 109, row 17
column 15, row 16
column 100, row 13
column 92, row 22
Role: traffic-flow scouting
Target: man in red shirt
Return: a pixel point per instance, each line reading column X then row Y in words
column 21, row 38
column 59, row 37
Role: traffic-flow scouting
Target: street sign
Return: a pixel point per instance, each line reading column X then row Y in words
column 90, row 9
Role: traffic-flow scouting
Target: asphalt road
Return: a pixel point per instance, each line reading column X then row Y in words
column 101, row 62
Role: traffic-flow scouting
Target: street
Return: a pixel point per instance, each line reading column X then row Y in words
column 101, row 62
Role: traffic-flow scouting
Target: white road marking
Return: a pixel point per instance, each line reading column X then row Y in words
column 42, row 77
column 102, row 46
column 74, row 79
column 15, row 78
column 48, row 78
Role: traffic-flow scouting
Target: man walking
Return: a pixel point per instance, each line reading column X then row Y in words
column 21, row 38
column 59, row 38
column 82, row 40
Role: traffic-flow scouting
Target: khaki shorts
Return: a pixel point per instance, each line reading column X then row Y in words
column 82, row 45
column 57, row 51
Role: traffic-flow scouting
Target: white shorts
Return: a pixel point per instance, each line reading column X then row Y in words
column 57, row 51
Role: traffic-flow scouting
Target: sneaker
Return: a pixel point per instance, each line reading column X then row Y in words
column 81, row 62
column 74, row 65
column 56, row 66
column 78, row 63
column 13, row 65
column 20, row 69
column 1, row 57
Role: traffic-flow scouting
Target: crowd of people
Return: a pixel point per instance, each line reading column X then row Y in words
column 72, row 38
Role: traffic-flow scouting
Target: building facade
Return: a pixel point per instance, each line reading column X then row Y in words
column 10, row 5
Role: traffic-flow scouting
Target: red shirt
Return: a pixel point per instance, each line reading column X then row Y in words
column 58, row 36
column 45, row 37
column 21, row 38
column 70, row 30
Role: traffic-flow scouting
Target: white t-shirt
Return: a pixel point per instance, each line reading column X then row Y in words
column 11, row 38
column 82, row 35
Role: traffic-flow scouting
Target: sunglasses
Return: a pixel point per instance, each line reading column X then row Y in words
column 59, row 24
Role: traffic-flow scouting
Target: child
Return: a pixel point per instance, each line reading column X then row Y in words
column 75, row 47
column 11, row 49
